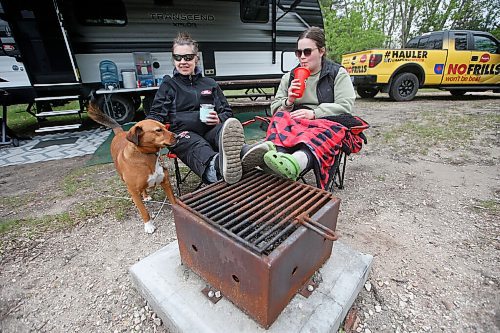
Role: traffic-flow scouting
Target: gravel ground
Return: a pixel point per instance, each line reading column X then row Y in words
column 422, row 197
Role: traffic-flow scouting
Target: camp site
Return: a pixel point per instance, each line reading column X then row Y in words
column 402, row 237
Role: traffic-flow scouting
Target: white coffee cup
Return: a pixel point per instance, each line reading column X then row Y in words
column 205, row 110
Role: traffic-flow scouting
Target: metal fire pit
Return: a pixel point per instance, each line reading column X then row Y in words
column 257, row 241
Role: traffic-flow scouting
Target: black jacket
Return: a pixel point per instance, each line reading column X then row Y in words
column 326, row 81
column 178, row 100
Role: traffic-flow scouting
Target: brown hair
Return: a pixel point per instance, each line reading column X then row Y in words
column 316, row 34
column 183, row 38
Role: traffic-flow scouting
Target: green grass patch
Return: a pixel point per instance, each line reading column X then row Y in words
column 491, row 206
column 119, row 207
column 439, row 128
column 31, row 227
column 15, row 201
column 80, row 180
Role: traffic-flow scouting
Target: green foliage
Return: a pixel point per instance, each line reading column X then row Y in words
column 356, row 25
column 496, row 32
column 350, row 33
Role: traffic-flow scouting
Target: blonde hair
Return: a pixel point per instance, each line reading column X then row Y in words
column 183, row 38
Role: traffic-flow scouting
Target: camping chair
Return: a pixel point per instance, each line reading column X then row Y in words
column 337, row 172
column 109, row 74
column 179, row 178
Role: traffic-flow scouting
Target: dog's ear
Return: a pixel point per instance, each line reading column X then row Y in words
column 133, row 134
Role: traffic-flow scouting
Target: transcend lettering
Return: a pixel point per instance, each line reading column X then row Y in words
column 181, row 17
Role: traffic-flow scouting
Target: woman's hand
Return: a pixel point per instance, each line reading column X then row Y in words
column 212, row 118
column 292, row 96
column 302, row 114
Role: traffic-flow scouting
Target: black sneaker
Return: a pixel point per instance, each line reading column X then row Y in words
column 231, row 139
column 253, row 155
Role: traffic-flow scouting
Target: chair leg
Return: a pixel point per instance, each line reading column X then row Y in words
column 342, row 175
column 178, row 178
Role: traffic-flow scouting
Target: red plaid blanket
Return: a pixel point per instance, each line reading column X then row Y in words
column 323, row 137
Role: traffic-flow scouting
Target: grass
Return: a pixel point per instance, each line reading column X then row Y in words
column 491, row 206
column 32, row 227
column 439, row 128
column 80, row 183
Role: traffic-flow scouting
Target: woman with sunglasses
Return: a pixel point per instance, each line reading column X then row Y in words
column 300, row 136
column 211, row 148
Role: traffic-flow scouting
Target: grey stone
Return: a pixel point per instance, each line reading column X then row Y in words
column 177, row 299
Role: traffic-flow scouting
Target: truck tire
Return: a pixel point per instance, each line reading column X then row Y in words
column 404, row 87
column 123, row 109
column 367, row 92
column 457, row 92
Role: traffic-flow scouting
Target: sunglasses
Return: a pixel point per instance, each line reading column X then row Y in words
column 187, row 57
column 307, row 52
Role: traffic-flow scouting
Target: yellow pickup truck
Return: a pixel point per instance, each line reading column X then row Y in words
column 457, row 61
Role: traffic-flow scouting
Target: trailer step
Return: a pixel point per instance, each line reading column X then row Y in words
column 58, row 128
column 39, row 99
column 47, row 85
column 57, row 113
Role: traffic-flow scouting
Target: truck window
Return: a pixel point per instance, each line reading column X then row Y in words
column 101, row 12
column 254, row 11
column 485, row 43
column 413, row 43
column 435, row 41
column 422, row 43
column 460, row 42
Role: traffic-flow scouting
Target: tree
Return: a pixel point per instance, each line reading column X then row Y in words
column 356, row 25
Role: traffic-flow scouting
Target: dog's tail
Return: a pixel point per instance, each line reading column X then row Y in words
column 96, row 114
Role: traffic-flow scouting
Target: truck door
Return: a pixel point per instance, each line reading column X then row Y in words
column 457, row 63
column 484, row 63
column 41, row 38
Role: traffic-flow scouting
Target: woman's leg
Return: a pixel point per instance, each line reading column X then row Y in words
column 228, row 139
column 194, row 151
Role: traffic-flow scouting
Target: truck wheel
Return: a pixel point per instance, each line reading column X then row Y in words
column 457, row 92
column 123, row 110
column 367, row 92
column 404, row 87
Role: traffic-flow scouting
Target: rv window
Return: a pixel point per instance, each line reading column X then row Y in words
column 254, row 11
column 101, row 12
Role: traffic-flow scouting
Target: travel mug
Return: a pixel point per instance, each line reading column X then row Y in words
column 205, row 109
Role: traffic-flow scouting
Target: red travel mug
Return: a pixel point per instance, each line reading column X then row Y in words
column 302, row 74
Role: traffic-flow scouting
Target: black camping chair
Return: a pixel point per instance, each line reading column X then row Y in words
column 351, row 144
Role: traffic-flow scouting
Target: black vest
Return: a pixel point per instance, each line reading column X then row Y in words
column 325, row 88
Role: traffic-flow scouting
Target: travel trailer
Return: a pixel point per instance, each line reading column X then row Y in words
column 56, row 47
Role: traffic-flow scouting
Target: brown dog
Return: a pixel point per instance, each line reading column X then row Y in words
column 135, row 154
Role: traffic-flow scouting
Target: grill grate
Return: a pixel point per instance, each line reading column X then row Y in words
column 260, row 211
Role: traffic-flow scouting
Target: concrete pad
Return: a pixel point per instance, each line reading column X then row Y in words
column 174, row 293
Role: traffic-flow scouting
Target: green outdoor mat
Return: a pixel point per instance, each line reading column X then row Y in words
column 253, row 132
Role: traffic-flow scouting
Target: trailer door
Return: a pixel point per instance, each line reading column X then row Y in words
column 42, row 40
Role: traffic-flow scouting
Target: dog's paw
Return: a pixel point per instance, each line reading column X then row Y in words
column 147, row 198
column 149, row 227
